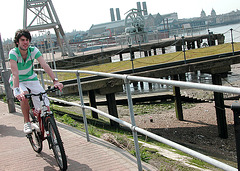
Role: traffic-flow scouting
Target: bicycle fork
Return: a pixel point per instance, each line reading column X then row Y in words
column 47, row 115
column 47, row 133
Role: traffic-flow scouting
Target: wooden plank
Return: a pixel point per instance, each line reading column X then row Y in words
column 92, row 102
column 210, row 66
column 112, row 108
column 220, row 108
column 177, row 100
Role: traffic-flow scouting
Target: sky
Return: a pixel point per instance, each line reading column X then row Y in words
column 80, row 15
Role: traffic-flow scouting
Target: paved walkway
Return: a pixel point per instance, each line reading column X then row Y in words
column 16, row 152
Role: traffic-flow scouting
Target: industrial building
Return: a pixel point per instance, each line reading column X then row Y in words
column 117, row 25
column 160, row 23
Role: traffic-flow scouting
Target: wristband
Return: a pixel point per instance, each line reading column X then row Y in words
column 55, row 79
column 16, row 91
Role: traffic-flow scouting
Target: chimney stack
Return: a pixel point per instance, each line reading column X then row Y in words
column 139, row 8
column 112, row 14
column 118, row 14
column 144, row 8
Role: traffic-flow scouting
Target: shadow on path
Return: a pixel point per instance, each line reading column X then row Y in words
column 10, row 131
column 72, row 164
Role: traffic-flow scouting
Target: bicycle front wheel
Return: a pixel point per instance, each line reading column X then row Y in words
column 35, row 141
column 56, row 144
column 35, row 138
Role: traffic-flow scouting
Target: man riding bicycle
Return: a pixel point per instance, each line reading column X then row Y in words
column 23, row 78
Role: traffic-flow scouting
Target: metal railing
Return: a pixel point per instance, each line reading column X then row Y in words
column 132, row 126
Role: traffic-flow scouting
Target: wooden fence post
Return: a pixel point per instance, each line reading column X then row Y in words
column 5, row 78
column 8, row 91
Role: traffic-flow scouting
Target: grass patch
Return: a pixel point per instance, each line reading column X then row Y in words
column 152, row 60
column 69, row 121
column 199, row 163
column 145, row 154
column 4, row 98
column 147, row 109
column 70, row 98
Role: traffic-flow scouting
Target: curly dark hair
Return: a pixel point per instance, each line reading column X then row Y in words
column 20, row 33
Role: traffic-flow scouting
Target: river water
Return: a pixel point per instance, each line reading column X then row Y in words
column 191, row 77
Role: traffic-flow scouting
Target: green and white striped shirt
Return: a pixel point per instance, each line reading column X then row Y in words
column 25, row 68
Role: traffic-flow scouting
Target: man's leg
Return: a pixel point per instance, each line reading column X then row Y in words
column 25, row 109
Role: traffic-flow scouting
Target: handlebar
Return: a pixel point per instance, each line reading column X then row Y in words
column 50, row 89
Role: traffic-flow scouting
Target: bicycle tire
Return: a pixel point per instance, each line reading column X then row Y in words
column 56, row 144
column 35, row 138
column 35, row 141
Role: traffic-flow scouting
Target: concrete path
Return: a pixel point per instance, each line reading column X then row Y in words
column 16, row 152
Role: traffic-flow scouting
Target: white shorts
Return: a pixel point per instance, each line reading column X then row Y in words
column 35, row 88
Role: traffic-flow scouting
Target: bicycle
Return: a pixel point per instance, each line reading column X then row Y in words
column 45, row 127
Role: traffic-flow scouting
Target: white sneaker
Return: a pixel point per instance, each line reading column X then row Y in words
column 36, row 127
column 27, row 128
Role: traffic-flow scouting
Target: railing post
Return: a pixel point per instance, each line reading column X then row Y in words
column 8, row 91
column 43, row 84
column 232, row 40
column 130, row 105
column 5, row 77
column 82, row 103
column 236, row 112
column 184, row 50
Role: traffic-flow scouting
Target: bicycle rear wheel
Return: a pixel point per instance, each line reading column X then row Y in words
column 35, row 141
column 56, row 144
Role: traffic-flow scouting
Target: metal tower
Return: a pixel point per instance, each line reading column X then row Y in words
column 134, row 27
column 44, row 16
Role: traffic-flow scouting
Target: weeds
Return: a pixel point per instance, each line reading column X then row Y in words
column 124, row 138
column 68, row 120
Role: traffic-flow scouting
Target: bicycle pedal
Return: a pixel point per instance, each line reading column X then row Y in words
column 29, row 135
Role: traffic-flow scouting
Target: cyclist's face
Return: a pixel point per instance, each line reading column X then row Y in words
column 23, row 43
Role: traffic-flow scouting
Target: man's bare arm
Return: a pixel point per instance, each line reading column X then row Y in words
column 49, row 71
column 15, row 73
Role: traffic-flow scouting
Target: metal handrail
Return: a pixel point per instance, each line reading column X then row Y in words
column 132, row 126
